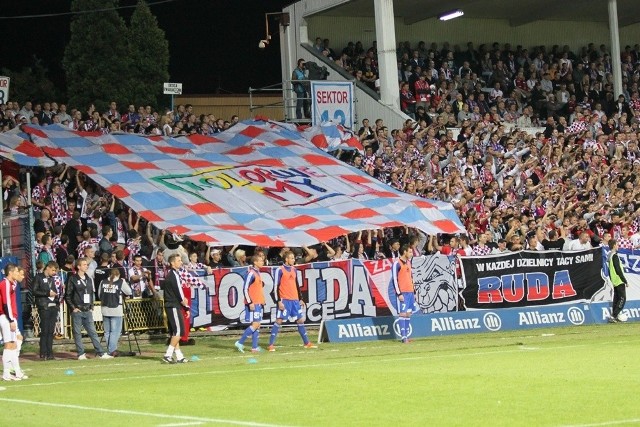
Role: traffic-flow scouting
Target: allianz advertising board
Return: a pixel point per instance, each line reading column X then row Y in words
column 463, row 322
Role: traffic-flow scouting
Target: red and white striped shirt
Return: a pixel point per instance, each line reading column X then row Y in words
column 8, row 298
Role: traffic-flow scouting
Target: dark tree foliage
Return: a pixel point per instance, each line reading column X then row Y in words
column 96, row 60
column 106, row 61
column 32, row 83
column 150, row 53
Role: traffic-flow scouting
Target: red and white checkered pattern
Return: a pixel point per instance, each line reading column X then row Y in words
column 256, row 184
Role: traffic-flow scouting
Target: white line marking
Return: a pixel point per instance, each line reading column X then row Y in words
column 607, row 423
column 194, row 423
column 289, row 366
column 142, row 414
column 100, row 366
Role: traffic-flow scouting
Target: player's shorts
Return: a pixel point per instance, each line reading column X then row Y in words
column 292, row 310
column 175, row 321
column 255, row 315
column 409, row 303
column 5, row 327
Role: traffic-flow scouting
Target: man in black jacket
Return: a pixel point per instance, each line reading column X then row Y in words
column 47, row 291
column 79, row 297
column 174, row 301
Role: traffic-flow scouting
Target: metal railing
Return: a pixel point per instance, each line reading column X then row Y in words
column 288, row 103
column 140, row 315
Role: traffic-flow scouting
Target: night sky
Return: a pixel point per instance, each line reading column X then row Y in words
column 212, row 43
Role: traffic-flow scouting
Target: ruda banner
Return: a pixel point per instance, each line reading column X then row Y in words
column 530, row 278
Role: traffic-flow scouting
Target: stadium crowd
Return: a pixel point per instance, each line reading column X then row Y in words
column 570, row 185
column 143, row 120
column 535, row 190
column 499, row 83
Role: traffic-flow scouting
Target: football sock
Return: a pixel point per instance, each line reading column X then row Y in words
column 274, row 333
column 170, row 351
column 179, row 354
column 6, row 362
column 245, row 335
column 15, row 362
column 303, row 333
column 254, row 338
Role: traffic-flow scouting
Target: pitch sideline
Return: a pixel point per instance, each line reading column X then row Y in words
column 302, row 366
column 140, row 413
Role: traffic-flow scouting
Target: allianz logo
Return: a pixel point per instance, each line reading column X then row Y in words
column 356, row 330
column 490, row 320
column 573, row 315
column 631, row 313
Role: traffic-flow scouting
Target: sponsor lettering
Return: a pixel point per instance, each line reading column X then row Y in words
column 537, row 318
column 356, row 330
column 631, row 313
column 451, row 324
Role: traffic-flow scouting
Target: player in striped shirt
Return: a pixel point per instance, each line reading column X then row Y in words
column 289, row 300
column 9, row 323
column 402, row 283
column 254, row 305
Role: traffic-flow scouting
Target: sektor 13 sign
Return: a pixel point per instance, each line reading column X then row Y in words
column 332, row 101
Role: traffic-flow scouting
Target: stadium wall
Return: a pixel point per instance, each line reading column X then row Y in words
column 225, row 106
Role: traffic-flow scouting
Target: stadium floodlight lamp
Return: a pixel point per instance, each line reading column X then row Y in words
column 450, row 15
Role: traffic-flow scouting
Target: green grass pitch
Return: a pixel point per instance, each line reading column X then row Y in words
column 577, row 376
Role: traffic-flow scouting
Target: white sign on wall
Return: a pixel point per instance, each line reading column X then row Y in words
column 172, row 88
column 4, row 89
column 332, row 101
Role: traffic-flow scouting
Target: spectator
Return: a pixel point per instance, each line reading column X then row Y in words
column 298, row 78
column 580, row 244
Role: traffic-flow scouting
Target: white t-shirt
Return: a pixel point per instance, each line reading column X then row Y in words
column 576, row 245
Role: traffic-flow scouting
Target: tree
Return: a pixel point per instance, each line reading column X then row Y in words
column 32, row 83
column 97, row 60
column 150, row 49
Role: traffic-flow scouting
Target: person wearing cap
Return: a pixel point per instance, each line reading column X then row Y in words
column 215, row 258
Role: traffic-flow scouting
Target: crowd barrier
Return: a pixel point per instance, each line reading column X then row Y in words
column 141, row 315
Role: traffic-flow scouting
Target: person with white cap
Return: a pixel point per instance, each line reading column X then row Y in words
column 214, row 260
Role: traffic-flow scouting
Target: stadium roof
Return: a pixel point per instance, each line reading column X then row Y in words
column 518, row 12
